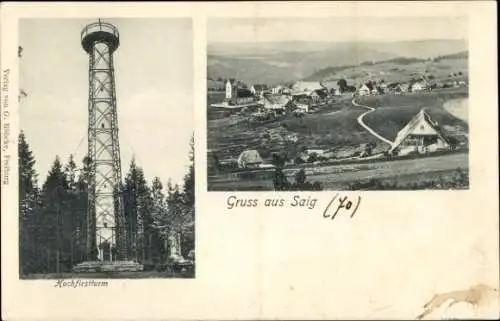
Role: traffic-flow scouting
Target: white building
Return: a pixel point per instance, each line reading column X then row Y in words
column 419, row 86
column 277, row 90
column 364, row 90
column 229, row 89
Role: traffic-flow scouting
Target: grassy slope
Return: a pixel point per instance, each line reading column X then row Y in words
column 393, row 72
column 333, row 127
column 331, row 130
column 213, row 98
column 394, row 112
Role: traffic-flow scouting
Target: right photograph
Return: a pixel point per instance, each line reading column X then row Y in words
column 340, row 103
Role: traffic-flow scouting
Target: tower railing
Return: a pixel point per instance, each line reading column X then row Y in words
column 99, row 26
column 100, row 32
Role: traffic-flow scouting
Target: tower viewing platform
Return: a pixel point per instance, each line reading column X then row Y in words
column 100, row 32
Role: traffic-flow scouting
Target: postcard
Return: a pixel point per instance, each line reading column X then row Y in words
column 249, row 160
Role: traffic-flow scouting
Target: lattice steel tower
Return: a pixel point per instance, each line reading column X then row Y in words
column 106, row 233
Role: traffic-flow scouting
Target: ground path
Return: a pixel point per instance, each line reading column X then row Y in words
column 360, row 121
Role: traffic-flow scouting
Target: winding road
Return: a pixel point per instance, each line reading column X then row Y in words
column 360, row 121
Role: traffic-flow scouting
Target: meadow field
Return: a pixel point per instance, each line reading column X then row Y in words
column 393, row 112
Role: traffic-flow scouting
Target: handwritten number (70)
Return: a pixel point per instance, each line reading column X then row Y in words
column 343, row 203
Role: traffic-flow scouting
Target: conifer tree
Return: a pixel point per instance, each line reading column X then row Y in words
column 138, row 208
column 54, row 209
column 130, row 207
column 82, row 210
column 28, row 208
column 159, row 219
column 76, row 212
column 189, row 188
column 189, row 203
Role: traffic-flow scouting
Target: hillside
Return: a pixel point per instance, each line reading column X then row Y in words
column 397, row 69
column 251, row 70
column 287, row 61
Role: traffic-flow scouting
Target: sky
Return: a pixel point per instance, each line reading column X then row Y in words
column 337, row 29
column 154, row 88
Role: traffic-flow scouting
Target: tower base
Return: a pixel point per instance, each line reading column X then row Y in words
column 110, row 266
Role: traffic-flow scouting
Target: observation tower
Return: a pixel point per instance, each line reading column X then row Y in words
column 106, row 233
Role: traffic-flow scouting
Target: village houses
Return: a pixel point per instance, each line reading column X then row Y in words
column 303, row 103
column 303, row 90
column 419, row 85
column 237, row 94
column 258, row 90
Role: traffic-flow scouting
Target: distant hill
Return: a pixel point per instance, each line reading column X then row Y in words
column 250, row 70
column 399, row 66
column 287, row 61
column 458, row 55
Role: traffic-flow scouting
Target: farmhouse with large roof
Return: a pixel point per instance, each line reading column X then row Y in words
column 421, row 135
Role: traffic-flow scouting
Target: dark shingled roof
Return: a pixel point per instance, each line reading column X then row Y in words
column 321, row 93
column 243, row 93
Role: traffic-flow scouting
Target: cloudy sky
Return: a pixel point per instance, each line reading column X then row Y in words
column 336, row 29
column 154, row 85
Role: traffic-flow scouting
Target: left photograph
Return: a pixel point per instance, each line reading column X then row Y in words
column 106, row 148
